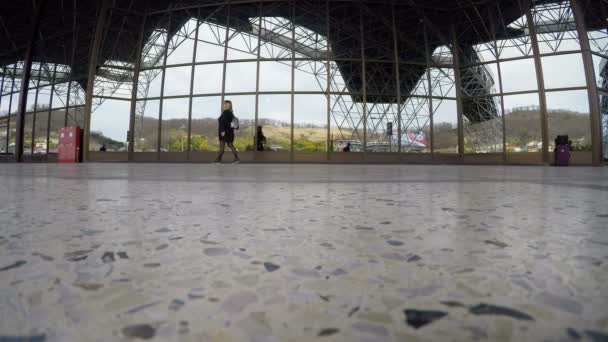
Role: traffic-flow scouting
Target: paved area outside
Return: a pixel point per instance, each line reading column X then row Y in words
column 110, row 252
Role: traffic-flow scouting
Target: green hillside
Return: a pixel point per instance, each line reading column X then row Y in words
column 522, row 131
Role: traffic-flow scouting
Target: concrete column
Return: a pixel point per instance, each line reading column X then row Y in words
column 50, row 111
column 293, row 68
column 458, row 86
column 25, row 80
column 227, row 36
column 328, row 143
column 162, row 92
column 1, row 97
column 594, row 106
column 397, row 80
column 192, row 74
column 363, row 84
column 544, row 125
column 88, row 99
column 35, row 113
column 257, row 80
column 135, row 84
column 428, row 52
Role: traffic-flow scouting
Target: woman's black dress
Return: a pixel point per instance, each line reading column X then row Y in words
column 261, row 141
column 224, row 122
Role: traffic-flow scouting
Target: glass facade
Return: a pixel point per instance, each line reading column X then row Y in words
column 315, row 83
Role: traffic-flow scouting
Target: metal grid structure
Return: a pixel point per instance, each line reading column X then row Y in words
column 375, row 63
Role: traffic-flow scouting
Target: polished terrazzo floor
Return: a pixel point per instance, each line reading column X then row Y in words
column 111, row 252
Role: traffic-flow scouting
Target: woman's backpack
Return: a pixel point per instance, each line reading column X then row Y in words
column 235, row 122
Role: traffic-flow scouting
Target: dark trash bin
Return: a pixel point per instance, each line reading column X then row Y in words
column 563, row 147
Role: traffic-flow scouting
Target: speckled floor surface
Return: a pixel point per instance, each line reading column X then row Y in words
column 111, row 252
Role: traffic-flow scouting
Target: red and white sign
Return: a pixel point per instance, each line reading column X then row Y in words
column 69, row 145
column 411, row 139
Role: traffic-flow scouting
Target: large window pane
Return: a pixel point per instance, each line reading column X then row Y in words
column 563, row 71
column 210, row 45
column 40, row 132
column 146, row 126
column 244, row 109
column 445, row 126
column 382, row 108
column 277, row 31
column 275, row 117
column 480, row 80
column 379, row 116
column 7, row 83
column 310, row 76
column 310, row 123
column 76, row 94
column 519, row 75
column 5, row 103
column 568, row 114
column 57, row 121
column 486, row 51
column 205, row 112
column 3, row 134
column 242, row 45
column 150, row 82
column 601, row 71
column 174, row 134
column 208, row 79
column 522, row 123
column 30, row 105
column 240, row 77
column 555, row 27
column 177, row 81
column 598, row 40
column 346, row 123
column 212, row 33
column 76, row 117
column 15, row 103
column 184, row 42
column 520, row 45
column 415, row 126
column 12, row 133
column 482, row 125
column 109, row 126
column 44, row 97
column 28, row 131
column 108, row 82
column 275, row 76
column 442, row 83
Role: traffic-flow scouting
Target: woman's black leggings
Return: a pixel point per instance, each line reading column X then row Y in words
column 223, row 147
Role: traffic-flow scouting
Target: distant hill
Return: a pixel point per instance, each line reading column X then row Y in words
column 522, row 128
column 524, row 124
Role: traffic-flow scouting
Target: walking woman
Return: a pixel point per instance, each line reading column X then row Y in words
column 226, row 132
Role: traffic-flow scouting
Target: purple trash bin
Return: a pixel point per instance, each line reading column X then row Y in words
column 562, row 155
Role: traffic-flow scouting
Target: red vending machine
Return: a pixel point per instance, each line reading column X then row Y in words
column 69, row 145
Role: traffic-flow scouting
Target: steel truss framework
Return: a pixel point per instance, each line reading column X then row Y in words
column 377, row 80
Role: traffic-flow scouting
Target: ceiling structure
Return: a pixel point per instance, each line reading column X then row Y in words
column 67, row 28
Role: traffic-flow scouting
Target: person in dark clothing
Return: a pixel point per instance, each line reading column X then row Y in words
column 226, row 132
column 347, row 148
column 261, row 139
column 102, row 148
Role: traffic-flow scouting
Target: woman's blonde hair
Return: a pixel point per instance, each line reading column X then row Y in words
column 228, row 102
